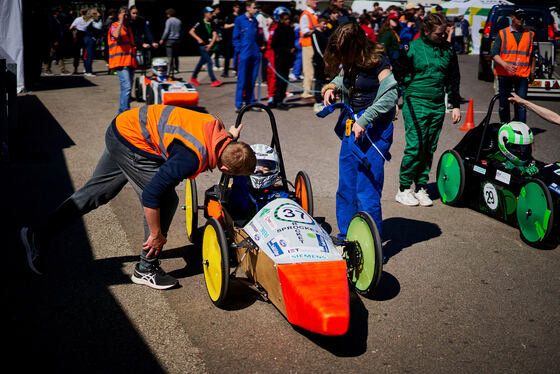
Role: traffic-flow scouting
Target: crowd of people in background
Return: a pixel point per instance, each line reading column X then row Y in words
column 225, row 45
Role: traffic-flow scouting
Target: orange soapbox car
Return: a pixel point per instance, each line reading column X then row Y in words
column 287, row 256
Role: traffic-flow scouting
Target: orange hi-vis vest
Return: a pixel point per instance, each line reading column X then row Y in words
column 305, row 41
column 516, row 54
column 152, row 129
column 122, row 51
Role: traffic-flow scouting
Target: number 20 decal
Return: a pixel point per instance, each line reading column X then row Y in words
column 292, row 213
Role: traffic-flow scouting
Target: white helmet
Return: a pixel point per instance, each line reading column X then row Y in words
column 267, row 169
column 159, row 67
column 515, row 141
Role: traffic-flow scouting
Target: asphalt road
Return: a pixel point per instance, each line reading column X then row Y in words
column 460, row 293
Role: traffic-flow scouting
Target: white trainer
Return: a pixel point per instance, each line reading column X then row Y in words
column 423, row 199
column 406, row 197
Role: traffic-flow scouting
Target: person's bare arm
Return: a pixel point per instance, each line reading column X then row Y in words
column 544, row 113
column 156, row 240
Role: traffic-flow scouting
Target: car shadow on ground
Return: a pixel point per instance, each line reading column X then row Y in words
column 66, row 320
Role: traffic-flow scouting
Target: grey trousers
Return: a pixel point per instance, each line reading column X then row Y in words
column 117, row 166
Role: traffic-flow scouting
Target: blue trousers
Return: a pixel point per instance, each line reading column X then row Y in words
column 90, row 51
column 520, row 86
column 126, row 78
column 205, row 58
column 247, row 71
column 359, row 188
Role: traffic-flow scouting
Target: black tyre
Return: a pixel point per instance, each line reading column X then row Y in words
column 451, row 177
column 138, row 90
column 150, row 98
column 304, row 192
column 191, row 210
column 215, row 261
column 366, row 260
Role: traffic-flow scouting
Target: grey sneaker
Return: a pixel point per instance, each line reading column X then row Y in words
column 33, row 254
column 153, row 277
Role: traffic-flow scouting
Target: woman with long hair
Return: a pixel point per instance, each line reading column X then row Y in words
column 366, row 84
column 389, row 36
column 429, row 70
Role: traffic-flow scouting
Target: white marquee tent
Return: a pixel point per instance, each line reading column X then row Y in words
column 11, row 34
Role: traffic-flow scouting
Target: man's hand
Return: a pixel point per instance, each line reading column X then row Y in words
column 510, row 68
column 154, row 244
column 155, row 45
column 357, row 130
column 517, row 99
column 145, row 45
column 235, row 131
column 456, row 115
column 396, row 112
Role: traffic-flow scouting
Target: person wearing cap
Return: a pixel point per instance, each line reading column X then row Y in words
column 172, row 35
column 206, row 36
column 409, row 27
column 247, row 41
column 512, row 52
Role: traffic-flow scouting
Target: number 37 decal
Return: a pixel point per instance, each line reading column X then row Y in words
column 292, row 213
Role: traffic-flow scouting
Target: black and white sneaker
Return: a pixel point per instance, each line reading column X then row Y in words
column 153, row 277
column 33, row 254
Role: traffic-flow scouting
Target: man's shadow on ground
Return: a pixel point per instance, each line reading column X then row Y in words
column 400, row 233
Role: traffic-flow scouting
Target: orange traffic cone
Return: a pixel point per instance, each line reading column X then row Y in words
column 469, row 122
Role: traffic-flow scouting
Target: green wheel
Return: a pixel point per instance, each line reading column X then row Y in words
column 215, row 261
column 451, row 177
column 366, row 263
column 534, row 212
column 191, row 209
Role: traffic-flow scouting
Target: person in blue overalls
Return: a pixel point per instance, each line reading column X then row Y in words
column 369, row 95
column 247, row 41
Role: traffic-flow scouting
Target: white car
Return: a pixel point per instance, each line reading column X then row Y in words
column 155, row 90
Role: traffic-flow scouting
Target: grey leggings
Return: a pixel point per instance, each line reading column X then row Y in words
column 117, row 166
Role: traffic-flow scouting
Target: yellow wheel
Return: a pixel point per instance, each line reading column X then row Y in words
column 191, row 209
column 215, row 261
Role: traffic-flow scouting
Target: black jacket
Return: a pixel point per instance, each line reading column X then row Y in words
column 283, row 41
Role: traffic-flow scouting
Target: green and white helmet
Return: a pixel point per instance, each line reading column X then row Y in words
column 515, row 141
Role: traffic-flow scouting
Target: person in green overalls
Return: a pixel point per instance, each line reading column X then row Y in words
column 426, row 70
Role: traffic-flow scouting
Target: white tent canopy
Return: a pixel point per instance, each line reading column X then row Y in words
column 11, row 34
